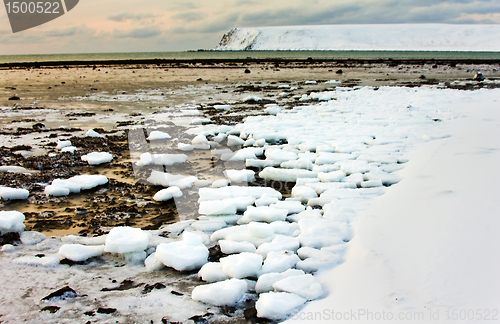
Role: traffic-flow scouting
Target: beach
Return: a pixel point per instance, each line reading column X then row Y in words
column 413, row 105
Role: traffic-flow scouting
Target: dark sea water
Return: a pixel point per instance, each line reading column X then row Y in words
column 252, row 54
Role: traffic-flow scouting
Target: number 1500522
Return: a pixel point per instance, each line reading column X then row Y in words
column 40, row 7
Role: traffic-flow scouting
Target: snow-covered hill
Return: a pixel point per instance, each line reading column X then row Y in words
column 415, row 37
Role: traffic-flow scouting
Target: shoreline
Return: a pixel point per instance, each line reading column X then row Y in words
column 249, row 60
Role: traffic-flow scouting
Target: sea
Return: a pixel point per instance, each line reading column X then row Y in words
column 194, row 55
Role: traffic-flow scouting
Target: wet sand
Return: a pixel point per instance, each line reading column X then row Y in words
column 62, row 103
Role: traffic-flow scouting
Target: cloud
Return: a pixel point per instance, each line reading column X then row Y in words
column 124, row 16
column 189, row 16
column 146, row 32
column 62, row 32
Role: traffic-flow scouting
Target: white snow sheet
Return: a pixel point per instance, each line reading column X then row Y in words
column 381, row 37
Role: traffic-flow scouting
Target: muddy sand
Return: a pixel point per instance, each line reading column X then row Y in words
column 62, row 102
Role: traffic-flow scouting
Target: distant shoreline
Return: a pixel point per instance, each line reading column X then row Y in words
column 225, row 63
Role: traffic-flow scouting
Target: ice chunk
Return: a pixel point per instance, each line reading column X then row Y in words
column 167, row 194
column 220, row 183
column 177, row 228
column 199, row 139
column 212, row 272
column 7, row 193
column 223, row 293
column 306, row 286
column 70, row 149
column 61, row 144
column 93, row 133
column 208, row 225
column 188, row 254
column 285, row 228
column 271, row 173
column 308, row 213
column 331, row 176
column 11, row 222
column 76, row 183
column 222, row 107
column 251, row 98
column 304, row 193
column 241, row 155
column 279, row 261
column 277, row 306
column 236, row 191
column 263, row 214
column 298, row 164
column 242, row 265
column 228, row 219
column 217, row 207
column 280, row 243
column 326, row 168
column 48, row 262
column 96, row 158
column 324, row 186
column 266, row 200
column 386, row 159
column 161, row 159
column 254, row 163
column 169, row 180
column 272, row 110
column 32, row 238
column 320, row 232
column 354, row 166
column 232, row 247
column 303, row 181
column 279, row 155
column 260, row 229
column 331, row 158
column 152, row 263
column 266, row 281
column 126, row 240
column 356, row 178
column 241, row 234
column 79, row 253
column 234, row 141
column 387, row 179
column 372, row 184
column 157, row 135
column 314, row 260
column 237, row 176
column 333, row 82
column 291, row 206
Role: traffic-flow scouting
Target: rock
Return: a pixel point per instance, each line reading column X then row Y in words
column 247, row 71
column 339, row 72
column 15, row 97
column 63, row 293
column 479, row 77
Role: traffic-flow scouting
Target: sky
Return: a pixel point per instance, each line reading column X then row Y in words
column 96, row 26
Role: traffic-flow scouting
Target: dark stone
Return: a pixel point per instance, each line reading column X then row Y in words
column 215, row 254
column 63, row 293
column 89, row 313
column 38, row 126
column 15, row 97
column 173, row 292
column 479, row 77
column 149, row 288
column 9, row 238
column 102, row 310
column 247, row 71
column 51, row 309
column 422, row 77
column 339, row 72
column 124, row 285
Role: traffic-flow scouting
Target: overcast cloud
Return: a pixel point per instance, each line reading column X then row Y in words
column 176, row 25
